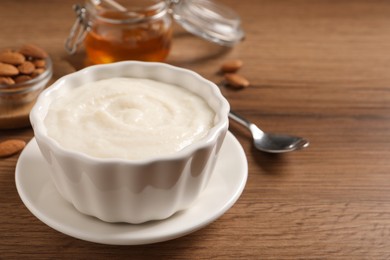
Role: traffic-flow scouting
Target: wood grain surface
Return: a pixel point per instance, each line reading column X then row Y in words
column 319, row 69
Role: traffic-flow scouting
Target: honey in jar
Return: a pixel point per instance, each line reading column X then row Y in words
column 144, row 33
column 142, row 29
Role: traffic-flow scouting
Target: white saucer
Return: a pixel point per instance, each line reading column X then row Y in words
column 40, row 196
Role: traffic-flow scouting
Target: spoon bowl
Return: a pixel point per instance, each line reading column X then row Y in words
column 268, row 142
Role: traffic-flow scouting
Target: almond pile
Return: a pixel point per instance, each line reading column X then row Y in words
column 21, row 65
column 229, row 69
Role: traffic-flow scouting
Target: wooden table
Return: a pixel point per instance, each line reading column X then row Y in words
column 319, row 69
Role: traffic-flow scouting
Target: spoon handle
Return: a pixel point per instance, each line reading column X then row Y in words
column 239, row 119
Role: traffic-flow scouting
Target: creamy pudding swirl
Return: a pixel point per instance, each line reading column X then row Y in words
column 128, row 118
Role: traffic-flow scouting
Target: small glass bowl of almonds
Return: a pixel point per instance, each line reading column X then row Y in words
column 24, row 72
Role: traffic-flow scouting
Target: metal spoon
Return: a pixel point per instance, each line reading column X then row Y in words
column 270, row 143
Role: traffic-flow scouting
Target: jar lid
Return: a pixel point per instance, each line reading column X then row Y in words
column 209, row 20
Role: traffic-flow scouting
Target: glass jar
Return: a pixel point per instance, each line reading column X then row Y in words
column 142, row 29
column 115, row 33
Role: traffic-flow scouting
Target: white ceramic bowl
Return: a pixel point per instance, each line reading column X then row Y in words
column 120, row 190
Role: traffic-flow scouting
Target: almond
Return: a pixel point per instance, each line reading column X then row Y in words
column 231, row 66
column 37, row 72
column 6, row 81
column 10, row 147
column 22, row 78
column 39, row 63
column 236, row 80
column 26, row 67
column 33, row 51
column 11, row 57
column 8, row 70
